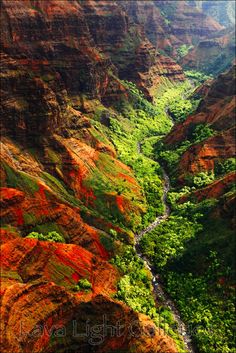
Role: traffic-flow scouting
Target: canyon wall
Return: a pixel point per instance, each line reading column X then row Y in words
column 222, row 11
column 60, row 173
column 60, row 61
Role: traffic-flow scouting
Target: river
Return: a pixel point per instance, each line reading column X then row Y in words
column 158, row 289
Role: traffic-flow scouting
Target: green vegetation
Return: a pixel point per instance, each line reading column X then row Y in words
column 176, row 245
column 134, row 128
column 190, row 249
column 224, row 167
column 138, row 128
column 177, row 101
column 134, row 288
column 167, row 241
column 203, row 179
column 222, row 62
column 60, row 189
column 191, row 252
column 83, row 285
column 20, row 180
column 170, row 155
column 206, row 302
column 138, row 120
column 201, row 132
column 107, row 242
column 197, row 77
column 50, row 236
column 183, row 50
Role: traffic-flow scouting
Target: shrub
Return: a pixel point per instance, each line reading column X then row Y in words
column 51, row 236
column 83, row 284
column 183, row 50
column 202, row 132
column 203, row 179
column 225, row 167
column 197, row 76
column 113, row 233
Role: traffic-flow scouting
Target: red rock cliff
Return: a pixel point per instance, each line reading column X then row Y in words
column 217, row 109
column 57, row 170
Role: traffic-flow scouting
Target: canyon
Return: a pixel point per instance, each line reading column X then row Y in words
column 78, row 79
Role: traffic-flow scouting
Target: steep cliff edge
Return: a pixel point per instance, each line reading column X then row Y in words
column 41, row 312
column 212, row 55
column 171, row 24
column 186, row 33
column 222, row 11
column 59, row 172
column 216, row 110
column 64, row 67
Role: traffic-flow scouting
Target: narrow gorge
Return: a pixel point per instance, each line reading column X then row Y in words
column 117, row 176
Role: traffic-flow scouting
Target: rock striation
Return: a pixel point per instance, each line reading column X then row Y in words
column 213, row 55
column 41, row 312
column 60, row 172
column 216, row 110
column 222, row 11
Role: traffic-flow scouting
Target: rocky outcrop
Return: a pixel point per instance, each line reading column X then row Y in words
column 41, row 312
column 53, row 65
column 65, row 180
column 216, row 110
column 185, row 24
column 222, row 11
column 212, row 55
column 203, row 156
column 120, row 35
column 88, row 56
column 215, row 190
column 170, row 24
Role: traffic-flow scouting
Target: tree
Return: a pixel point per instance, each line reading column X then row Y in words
column 83, row 284
column 51, row 236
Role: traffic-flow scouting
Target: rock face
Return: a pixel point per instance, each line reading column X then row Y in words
column 171, row 24
column 213, row 55
column 216, row 110
column 41, row 312
column 120, row 35
column 60, row 172
column 45, row 73
column 222, row 11
column 185, row 24
column 88, row 53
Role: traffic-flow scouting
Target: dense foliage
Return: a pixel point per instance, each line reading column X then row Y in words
column 192, row 252
column 134, row 288
column 175, row 246
column 168, row 239
column 197, row 77
column 83, row 285
column 224, row 167
column 50, row 236
column 171, row 155
column 176, row 101
column 183, row 50
column 206, row 302
column 196, row 276
column 140, row 121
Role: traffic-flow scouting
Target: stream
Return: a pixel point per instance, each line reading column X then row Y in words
column 159, row 293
